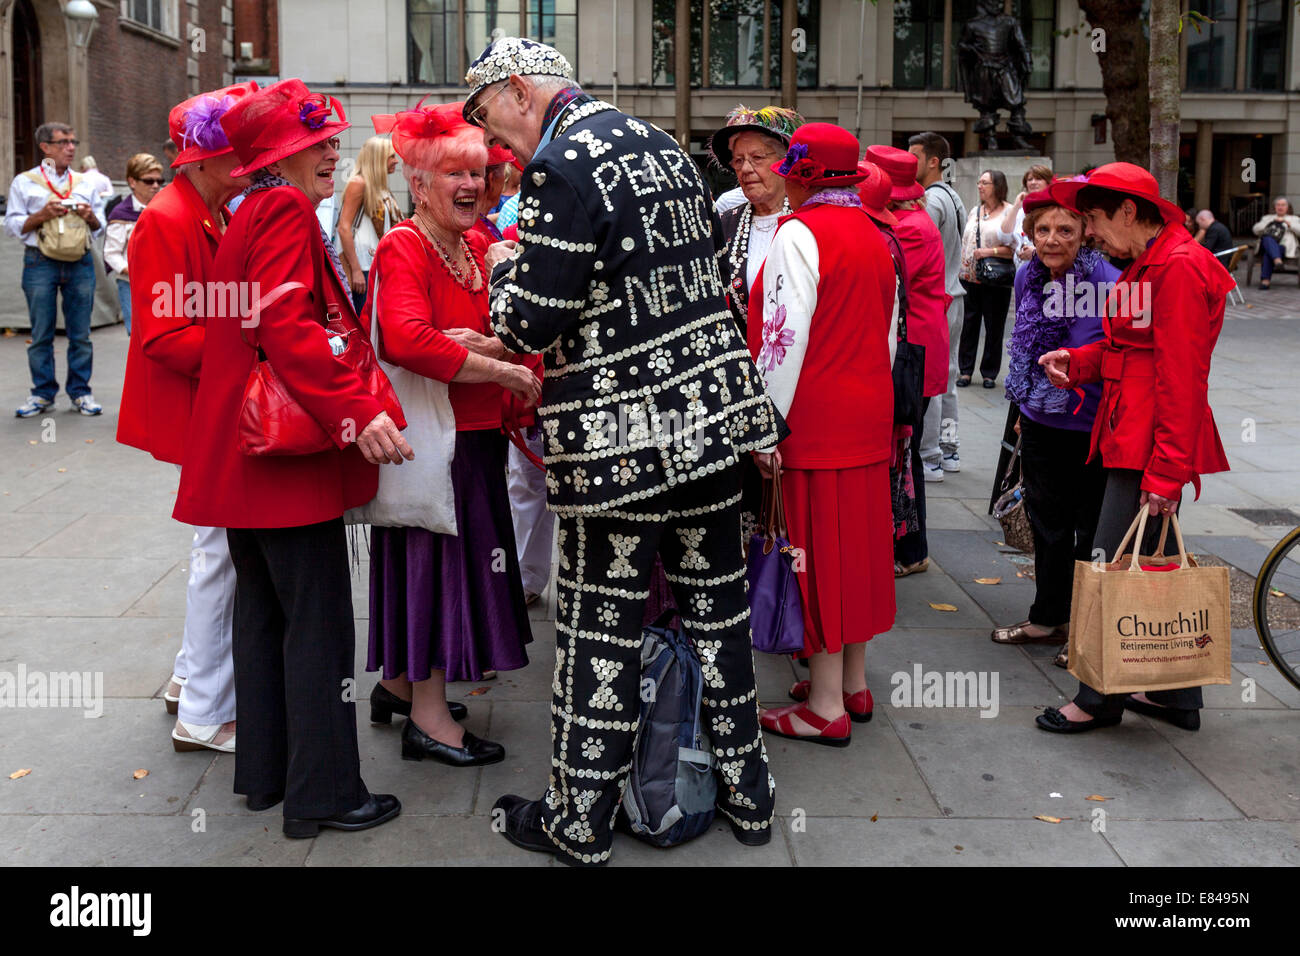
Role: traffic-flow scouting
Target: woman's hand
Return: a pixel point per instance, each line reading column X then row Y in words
column 1016, row 426
column 381, row 442
column 488, row 345
column 768, row 463
column 1025, row 252
column 358, row 282
column 1159, row 505
column 521, row 383
column 499, row 252
column 1057, row 366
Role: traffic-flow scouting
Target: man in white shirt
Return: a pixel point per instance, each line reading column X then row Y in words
column 939, row 441
column 51, row 194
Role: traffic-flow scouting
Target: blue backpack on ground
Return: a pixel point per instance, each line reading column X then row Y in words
column 671, row 790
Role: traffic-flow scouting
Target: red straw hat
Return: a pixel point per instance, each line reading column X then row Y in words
column 821, row 154
column 1120, row 178
column 900, row 166
column 283, row 119
column 195, row 124
column 874, row 193
column 414, row 130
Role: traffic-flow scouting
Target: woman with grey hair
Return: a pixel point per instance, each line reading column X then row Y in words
column 1278, row 234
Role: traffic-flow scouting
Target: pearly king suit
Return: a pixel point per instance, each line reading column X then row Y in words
column 649, row 401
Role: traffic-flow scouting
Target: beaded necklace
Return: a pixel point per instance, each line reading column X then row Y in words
column 738, row 255
column 472, row 281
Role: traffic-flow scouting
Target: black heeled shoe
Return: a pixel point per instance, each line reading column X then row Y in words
column 1188, row 718
column 378, row 808
column 522, row 826
column 1053, row 721
column 384, row 703
column 758, row 837
column 473, row 751
column 264, row 801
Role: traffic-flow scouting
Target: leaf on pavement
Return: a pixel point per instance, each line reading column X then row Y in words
column 988, row 580
column 1096, row 797
column 874, row 817
column 1047, row 819
column 19, row 773
column 479, row 691
column 943, row 607
column 140, row 774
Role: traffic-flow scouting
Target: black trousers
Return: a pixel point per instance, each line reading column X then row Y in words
column 986, row 306
column 602, row 585
column 1063, row 496
column 293, row 648
column 1118, row 507
column 913, row 547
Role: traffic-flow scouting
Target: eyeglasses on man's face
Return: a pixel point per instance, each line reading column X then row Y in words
column 61, row 143
column 476, row 114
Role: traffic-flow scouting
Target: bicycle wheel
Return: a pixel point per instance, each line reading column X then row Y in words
column 1277, row 606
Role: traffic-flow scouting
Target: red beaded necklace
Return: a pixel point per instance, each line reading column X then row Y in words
column 471, row 282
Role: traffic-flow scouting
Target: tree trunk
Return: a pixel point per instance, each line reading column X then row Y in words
column 1163, row 82
column 1124, row 74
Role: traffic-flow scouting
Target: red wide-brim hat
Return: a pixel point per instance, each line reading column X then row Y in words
column 1120, row 178
column 821, row 154
column 195, row 124
column 900, row 166
column 874, row 193
column 283, row 119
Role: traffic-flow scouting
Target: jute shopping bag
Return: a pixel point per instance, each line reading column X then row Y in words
column 1151, row 622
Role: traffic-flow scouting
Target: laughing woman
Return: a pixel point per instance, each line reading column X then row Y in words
column 440, row 609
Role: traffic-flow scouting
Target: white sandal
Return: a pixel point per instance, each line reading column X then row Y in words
column 172, row 693
column 186, row 737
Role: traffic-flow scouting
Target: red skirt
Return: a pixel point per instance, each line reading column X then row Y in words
column 843, row 521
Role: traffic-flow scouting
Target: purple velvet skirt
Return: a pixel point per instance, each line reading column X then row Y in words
column 453, row 603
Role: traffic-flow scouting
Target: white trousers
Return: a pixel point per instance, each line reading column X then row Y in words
column 534, row 525
column 205, row 659
column 939, row 433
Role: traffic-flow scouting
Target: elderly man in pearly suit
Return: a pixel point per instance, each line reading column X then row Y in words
column 649, row 402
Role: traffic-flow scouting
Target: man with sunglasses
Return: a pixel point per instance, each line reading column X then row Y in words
column 53, row 194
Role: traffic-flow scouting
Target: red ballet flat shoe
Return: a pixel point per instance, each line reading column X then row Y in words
column 859, row 705
column 831, row 733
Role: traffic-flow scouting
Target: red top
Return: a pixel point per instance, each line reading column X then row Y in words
column 842, row 415
column 1154, row 363
column 927, row 302
column 174, row 242
column 417, row 298
column 273, row 239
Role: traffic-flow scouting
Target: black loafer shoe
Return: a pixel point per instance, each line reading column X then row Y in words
column 264, row 801
column 990, row 382
column 473, row 751
column 384, row 704
column 760, row 837
column 1053, row 721
column 523, row 827
column 1185, row 718
column 379, row 808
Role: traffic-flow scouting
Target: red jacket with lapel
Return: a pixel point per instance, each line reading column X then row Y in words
column 173, row 243
column 275, row 239
column 1161, row 324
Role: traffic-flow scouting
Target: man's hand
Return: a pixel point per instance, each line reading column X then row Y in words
column 52, row 209
column 488, row 345
column 521, row 383
column 1057, row 366
column 767, row 464
column 85, row 212
column 499, row 252
column 381, row 442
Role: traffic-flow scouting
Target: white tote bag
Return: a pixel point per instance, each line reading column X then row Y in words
column 417, row 493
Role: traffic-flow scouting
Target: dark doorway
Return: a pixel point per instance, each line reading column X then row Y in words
column 28, row 106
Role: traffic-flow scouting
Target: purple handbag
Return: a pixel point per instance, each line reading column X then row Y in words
column 775, row 607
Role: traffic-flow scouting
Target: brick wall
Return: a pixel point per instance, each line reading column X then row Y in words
column 257, row 22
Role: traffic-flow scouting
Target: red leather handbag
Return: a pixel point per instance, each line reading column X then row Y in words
column 272, row 422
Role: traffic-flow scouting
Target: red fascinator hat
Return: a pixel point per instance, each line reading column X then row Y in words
column 416, row 132
column 283, row 119
column 821, row 154
column 195, row 124
column 874, row 193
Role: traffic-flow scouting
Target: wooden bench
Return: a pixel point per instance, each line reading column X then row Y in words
column 1253, row 258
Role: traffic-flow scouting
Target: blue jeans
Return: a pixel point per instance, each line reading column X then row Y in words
column 43, row 280
column 124, row 297
column 1269, row 250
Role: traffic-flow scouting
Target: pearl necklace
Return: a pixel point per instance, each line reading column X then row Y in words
column 739, row 253
column 472, row 281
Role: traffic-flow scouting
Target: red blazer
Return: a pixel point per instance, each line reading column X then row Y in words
column 842, row 415
column 927, row 302
column 273, row 239
column 1154, row 366
column 173, row 243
